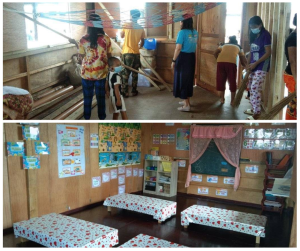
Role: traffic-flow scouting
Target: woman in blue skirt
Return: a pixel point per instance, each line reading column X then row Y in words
column 183, row 63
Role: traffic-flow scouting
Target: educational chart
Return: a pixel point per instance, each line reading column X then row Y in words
column 41, row 148
column 94, row 140
column 96, row 182
column 70, row 150
column 183, row 139
column 15, row 149
column 119, row 144
column 163, row 139
column 30, row 133
column 270, row 139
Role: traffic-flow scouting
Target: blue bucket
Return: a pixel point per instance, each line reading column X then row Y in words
column 150, row 44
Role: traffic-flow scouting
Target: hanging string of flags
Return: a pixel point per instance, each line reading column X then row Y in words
column 159, row 18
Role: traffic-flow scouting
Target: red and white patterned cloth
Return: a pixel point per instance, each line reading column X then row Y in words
column 146, row 241
column 56, row 230
column 227, row 219
column 160, row 209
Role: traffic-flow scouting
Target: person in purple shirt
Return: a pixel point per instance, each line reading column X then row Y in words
column 258, row 63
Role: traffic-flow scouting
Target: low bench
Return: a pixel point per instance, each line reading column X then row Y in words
column 160, row 209
column 227, row 219
column 146, row 241
column 56, row 230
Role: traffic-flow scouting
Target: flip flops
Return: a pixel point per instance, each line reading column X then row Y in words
column 250, row 118
column 249, row 112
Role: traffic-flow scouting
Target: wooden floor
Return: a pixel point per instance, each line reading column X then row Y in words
column 131, row 224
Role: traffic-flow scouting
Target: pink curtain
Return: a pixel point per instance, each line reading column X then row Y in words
column 228, row 140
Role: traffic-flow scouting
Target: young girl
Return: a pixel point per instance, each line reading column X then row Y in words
column 113, row 89
column 258, row 63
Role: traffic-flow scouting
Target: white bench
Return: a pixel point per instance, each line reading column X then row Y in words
column 56, row 230
column 160, row 209
column 146, row 241
column 227, row 219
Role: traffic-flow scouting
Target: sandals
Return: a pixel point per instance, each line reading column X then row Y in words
column 250, row 118
column 184, row 109
column 249, row 112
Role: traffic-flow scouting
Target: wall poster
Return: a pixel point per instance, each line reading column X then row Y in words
column 70, row 150
column 183, row 139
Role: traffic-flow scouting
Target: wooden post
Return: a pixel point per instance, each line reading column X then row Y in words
column 170, row 26
column 257, row 240
column 198, row 57
column 28, row 74
column 31, row 177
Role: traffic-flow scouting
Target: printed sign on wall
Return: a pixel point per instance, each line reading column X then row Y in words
column 212, row 179
column 15, row 149
column 121, row 179
column 229, row 180
column 121, row 189
column 96, row 182
column 128, row 172
column 251, row 169
column 105, row 177
column 221, row 192
column 203, row 190
column 70, row 150
column 197, row 177
column 94, row 140
column 30, row 133
column 41, row 148
column 135, row 172
column 31, row 162
column 141, row 172
column 113, row 174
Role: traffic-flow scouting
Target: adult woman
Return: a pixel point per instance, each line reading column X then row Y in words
column 290, row 74
column 184, row 61
column 226, row 66
column 258, row 63
column 17, row 103
column 95, row 49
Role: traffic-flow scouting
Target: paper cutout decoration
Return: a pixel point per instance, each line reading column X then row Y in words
column 113, row 174
column 94, row 140
column 279, row 144
column 212, row 179
column 105, row 177
column 251, row 169
column 183, row 139
column 15, row 149
column 96, row 182
column 203, row 190
column 121, row 189
column 141, row 172
column 30, row 133
column 121, row 179
column 41, row 148
column 229, row 180
column 258, row 144
column 31, row 162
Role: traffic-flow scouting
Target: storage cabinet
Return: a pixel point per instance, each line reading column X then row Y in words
column 160, row 177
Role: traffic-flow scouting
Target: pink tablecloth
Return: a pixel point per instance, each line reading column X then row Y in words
column 160, row 209
column 215, row 217
column 56, row 230
column 146, row 241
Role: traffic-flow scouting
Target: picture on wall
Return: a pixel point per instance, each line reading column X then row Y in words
column 183, row 139
column 70, row 150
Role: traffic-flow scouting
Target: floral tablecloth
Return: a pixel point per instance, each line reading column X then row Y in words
column 146, row 241
column 227, row 219
column 160, row 209
column 56, row 230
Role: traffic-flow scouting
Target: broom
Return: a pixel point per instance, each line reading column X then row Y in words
column 278, row 107
column 240, row 93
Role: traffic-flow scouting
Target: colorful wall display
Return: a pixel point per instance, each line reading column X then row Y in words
column 105, row 177
column 70, row 150
column 30, row 132
column 164, row 139
column 31, row 162
column 113, row 174
column 41, row 148
column 221, row 192
column 229, row 180
column 183, row 139
column 197, row 177
column 15, row 148
column 212, row 179
column 96, row 182
column 251, row 169
column 119, row 144
column 121, row 189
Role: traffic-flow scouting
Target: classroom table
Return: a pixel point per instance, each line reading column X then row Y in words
column 227, row 219
column 146, row 241
column 56, row 230
column 160, row 209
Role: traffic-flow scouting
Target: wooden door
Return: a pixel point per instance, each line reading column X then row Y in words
column 211, row 28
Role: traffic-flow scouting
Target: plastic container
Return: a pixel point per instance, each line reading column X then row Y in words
column 150, row 44
column 142, row 80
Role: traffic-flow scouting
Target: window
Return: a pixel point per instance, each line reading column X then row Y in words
column 38, row 36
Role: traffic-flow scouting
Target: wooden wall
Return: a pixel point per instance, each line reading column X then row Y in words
column 54, row 194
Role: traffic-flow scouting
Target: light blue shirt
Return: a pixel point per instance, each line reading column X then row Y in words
column 188, row 40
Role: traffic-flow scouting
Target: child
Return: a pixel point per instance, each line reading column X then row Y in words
column 113, row 89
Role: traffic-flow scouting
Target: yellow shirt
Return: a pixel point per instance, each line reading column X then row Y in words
column 229, row 53
column 132, row 39
column 95, row 61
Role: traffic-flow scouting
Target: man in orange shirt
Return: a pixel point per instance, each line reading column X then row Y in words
column 131, row 53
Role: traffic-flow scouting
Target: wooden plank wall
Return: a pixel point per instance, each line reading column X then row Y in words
column 55, row 194
column 279, row 30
